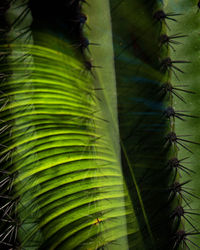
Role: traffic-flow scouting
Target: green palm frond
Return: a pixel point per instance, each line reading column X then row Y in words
column 59, row 151
column 88, row 146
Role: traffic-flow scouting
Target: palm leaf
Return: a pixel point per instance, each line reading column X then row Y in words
column 68, row 190
column 87, row 136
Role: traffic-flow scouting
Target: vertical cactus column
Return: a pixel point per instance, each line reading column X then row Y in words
column 185, row 104
column 95, row 118
column 16, row 20
column 143, row 72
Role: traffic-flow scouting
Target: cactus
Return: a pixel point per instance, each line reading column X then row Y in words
column 93, row 121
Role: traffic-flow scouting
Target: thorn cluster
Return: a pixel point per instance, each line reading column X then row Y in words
column 84, row 43
column 177, row 190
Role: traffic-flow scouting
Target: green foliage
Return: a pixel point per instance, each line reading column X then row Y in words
column 87, row 154
column 143, row 126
